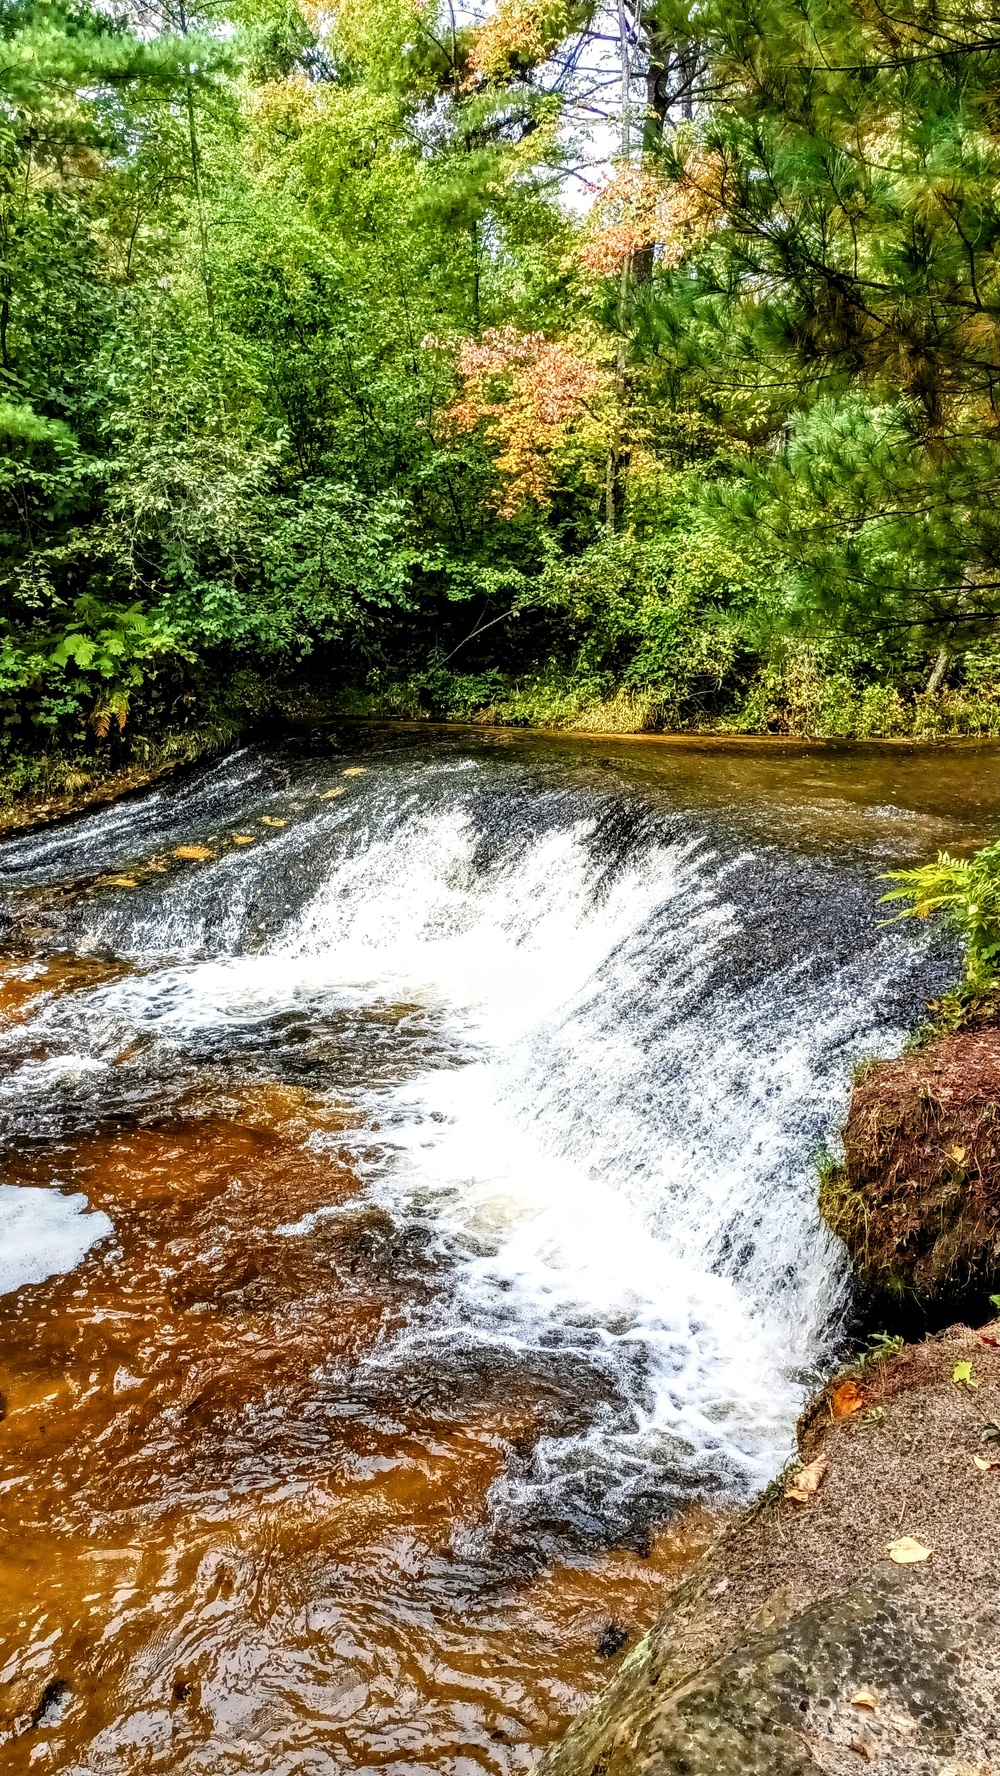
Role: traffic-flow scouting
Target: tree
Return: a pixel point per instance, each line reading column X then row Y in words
column 843, row 313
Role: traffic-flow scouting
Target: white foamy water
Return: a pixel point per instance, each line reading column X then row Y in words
column 44, row 1233
column 609, row 1141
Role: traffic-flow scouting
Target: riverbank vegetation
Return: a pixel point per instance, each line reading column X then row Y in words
column 527, row 362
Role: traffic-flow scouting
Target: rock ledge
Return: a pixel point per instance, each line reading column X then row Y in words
column 797, row 1647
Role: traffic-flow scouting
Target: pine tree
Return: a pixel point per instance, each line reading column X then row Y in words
column 842, row 313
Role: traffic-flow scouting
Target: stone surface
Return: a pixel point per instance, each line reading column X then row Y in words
column 797, row 1648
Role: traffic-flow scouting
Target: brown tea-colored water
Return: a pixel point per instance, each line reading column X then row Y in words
column 212, row 1558
column 248, row 1523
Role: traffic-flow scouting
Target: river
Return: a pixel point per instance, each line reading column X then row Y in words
column 407, row 1230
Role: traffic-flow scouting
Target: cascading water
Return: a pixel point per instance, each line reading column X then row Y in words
column 642, row 1048
column 578, row 1040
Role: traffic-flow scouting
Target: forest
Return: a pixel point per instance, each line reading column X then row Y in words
column 619, row 367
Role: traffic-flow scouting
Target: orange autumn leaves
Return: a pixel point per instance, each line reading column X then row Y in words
column 638, row 211
column 529, row 393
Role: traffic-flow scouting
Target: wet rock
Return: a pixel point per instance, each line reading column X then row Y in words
column 797, row 1648
column 917, row 1200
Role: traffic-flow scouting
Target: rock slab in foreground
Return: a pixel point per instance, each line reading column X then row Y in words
column 798, row 1647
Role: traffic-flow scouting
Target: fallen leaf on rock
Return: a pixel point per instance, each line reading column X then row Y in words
column 119, row 882
column 243, row 838
column 329, row 794
column 864, row 1699
column 846, row 1399
column 957, row 1154
column 984, row 1464
column 193, row 853
column 270, row 820
column 355, row 771
column 808, row 1481
column 907, row 1552
column 990, row 1433
column 962, row 1375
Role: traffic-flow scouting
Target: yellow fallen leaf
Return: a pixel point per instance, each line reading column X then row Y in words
column 355, row 771
column 119, row 882
column 957, row 1154
column 329, row 794
column 962, row 1375
column 269, row 820
column 808, row 1481
column 907, row 1552
column 193, row 853
column 864, row 1699
column 984, row 1464
column 243, row 838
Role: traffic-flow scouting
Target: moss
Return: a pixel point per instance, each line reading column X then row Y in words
column 850, row 1214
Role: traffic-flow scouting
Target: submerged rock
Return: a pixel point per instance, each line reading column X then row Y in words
column 798, row 1647
column 917, row 1200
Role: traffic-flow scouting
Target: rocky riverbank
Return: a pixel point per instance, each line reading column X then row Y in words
column 851, row 1620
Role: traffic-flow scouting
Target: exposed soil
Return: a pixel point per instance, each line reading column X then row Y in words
column 917, row 1201
column 798, row 1647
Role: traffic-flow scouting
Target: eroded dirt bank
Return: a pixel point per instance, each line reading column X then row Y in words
column 917, row 1200
column 800, row 1645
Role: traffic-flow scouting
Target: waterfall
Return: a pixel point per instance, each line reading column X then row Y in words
column 621, row 1029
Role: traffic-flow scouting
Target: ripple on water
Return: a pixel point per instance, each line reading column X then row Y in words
column 438, row 1236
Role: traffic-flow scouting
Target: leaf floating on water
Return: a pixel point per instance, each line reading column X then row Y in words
column 328, row 795
column 908, row 1552
column 864, row 1699
column 243, row 838
column 808, row 1481
column 271, row 820
column 846, row 1399
column 355, row 771
column 961, row 1375
column 193, row 853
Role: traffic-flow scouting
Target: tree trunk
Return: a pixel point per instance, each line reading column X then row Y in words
column 939, row 672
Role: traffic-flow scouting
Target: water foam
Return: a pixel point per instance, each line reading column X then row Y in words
column 44, row 1233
